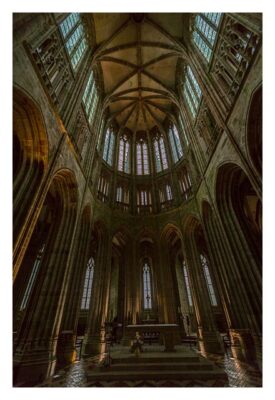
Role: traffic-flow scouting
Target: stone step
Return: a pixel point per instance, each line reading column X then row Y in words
column 111, row 375
column 164, row 366
column 157, row 358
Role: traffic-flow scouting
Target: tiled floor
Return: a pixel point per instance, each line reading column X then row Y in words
column 239, row 375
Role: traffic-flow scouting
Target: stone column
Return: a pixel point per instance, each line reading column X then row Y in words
column 66, row 351
column 209, row 337
column 35, row 350
column 93, row 341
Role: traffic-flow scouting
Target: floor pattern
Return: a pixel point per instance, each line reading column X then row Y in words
column 239, row 375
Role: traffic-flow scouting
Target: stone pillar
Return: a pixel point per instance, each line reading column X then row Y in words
column 209, row 338
column 66, row 351
column 35, row 348
column 94, row 338
column 243, row 346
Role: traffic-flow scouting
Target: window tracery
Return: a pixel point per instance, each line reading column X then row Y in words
column 73, row 34
column 103, row 187
column 109, row 144
column 165, row 195
column 147, row 286
column 187, row 283
column 90, row 98
column 185, row 183
column 88, row 283
column 208, row 280
column 205, row 32
column 192, row 92
column 142, row 160
column 144, row 200
column 124, row 154
column 175, row 143
column 159, row 152
column 122, row 196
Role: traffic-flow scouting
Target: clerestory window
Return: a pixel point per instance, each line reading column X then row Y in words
column 90, row 98
column 109, row 143
column 192, row 92
column 160, row 153
column 205, row 32
column 142, row 162
column 73, row 34
column 175, row 143
column 124, row 154
column 208, row 280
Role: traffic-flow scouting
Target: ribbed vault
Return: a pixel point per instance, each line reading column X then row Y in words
column 138, row 54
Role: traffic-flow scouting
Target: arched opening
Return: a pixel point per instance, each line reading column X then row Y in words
column 86, row 283
column 254, row 130
column 171, row 242
column 53, row 232
column 146, row 307
column 240, row 211
column 204, row 287
column 120, row 262
column 30, row 156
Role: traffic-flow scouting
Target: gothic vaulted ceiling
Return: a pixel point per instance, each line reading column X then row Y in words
column 138, row 54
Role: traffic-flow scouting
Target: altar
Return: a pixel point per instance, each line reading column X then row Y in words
column 169, row 334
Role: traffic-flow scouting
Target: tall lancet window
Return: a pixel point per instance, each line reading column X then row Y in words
column 108, row 151
column 88, row 283
column 90, row 98
column 147, row 287
column 192, row 92
column 208, row 279
column 124, row 154
column 74, row 36
column 160, row 153
column 32, row 279
column 175, row 143
column 142, row 166
column 205, row 32
column 187, row 283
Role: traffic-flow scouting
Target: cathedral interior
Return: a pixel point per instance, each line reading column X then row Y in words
column 137, row 199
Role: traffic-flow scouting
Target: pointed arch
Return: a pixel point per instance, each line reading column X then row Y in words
column 30, row 155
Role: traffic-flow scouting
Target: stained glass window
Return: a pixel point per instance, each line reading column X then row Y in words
column 74, row 36
column 90, row 98
column 175, row 143
column 187, row 284
column 142, row 162
column 192, row 92
column 208, row 279
column 160, row 153
column 87, row 290
column 108, row 151
column 147, row 288
column 124, row 154
column 205, row 32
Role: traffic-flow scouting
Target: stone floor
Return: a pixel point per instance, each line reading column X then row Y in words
column 239, row 375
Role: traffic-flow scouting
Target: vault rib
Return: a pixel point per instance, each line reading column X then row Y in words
column 112, row 37
column 176, row 42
